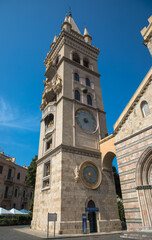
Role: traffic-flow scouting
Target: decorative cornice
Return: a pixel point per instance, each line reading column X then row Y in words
column 71, row 149
column 74, row 38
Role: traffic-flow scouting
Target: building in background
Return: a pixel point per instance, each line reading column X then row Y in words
column 70, row 180
column 13, row 191
column 131, row 142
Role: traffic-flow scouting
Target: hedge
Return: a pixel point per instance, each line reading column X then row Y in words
column 17, row 220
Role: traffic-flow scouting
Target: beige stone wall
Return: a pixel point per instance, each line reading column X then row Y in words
column 47, row 200
column 135, row 121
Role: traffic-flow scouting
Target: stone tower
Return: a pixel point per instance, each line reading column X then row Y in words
column 69, row 178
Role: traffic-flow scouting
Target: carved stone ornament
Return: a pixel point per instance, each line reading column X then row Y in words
column 76, row 173
column 50, row 91
column 49, row 62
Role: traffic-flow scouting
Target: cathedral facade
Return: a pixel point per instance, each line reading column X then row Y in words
column 131, row 142
column 70, row 178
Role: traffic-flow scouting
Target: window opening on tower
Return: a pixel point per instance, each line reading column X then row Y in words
column 76, row 57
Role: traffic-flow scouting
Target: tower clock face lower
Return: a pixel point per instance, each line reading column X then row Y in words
column 86, row 120
column 90, row 175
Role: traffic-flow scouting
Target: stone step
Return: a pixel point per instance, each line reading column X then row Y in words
column 137, row 236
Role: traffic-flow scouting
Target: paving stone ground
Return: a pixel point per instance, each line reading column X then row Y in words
column 25, row 233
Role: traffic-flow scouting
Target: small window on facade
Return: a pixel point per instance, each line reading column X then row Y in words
column 145, row 109
column 22, row 206
column 6, row 192
column 47, row 169
column 89, row 100
column 49, row 144
column 87, row 82
column 76, row 77
column 18, row 176
column 46, row 183
column 75, row 57
column 24, row 194
column 1, row 169
column 77, row 95
column 25, row 178
column 49, row 120
column 9, row 173
column 16, row 191
column 86, row 63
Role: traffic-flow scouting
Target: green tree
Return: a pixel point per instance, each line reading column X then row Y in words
column 31, row 176
column 31, row 173
column 117, row 182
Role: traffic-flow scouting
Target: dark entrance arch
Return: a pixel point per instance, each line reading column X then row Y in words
column 92, row 217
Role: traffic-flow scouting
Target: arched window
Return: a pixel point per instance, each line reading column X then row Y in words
column 76, row 77
column 77, row 95
column 86, row 62
column 15, row 194
column 49, row 120
column 89, row 100
column 75, row 57
column 145, row 109
column 87, row 82
column 18, row 176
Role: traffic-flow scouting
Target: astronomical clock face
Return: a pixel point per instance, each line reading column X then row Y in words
column 86, row 120
column 90, row 175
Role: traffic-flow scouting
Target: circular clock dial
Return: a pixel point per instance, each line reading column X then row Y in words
column 90, row 175
column 86, row 120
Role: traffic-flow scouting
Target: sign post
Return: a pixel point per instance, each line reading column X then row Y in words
column 52, row 217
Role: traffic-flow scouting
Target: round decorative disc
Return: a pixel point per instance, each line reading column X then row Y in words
column 86, row 120
column 90, row 175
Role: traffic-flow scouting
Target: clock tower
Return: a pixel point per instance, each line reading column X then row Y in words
column 69, row 178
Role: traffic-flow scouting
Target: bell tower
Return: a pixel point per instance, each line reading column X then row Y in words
column 69, row 179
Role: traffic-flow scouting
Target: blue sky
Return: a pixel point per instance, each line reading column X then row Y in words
column 27, row 29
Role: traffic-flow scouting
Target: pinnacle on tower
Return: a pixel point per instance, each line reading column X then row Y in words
column 74, row 26
column 66, row 25
column 86, row 36
column 55, row 38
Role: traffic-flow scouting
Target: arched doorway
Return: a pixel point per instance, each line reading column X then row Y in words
column 92, row 217
column 144, row 187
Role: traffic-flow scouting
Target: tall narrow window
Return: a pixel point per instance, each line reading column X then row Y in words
column 9, row 173
column 89, row 100
column 1, row 169
column 86, row 63
column 145, row 109
column 76, row 77
column 18, row 176
column 49, row 144
column 46, row 175
column 49, row 120
column 87, row 82
column 77, row 95
column 76, row 58
column 6, row 192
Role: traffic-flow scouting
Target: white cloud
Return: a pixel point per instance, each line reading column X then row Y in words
column 10, row 116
